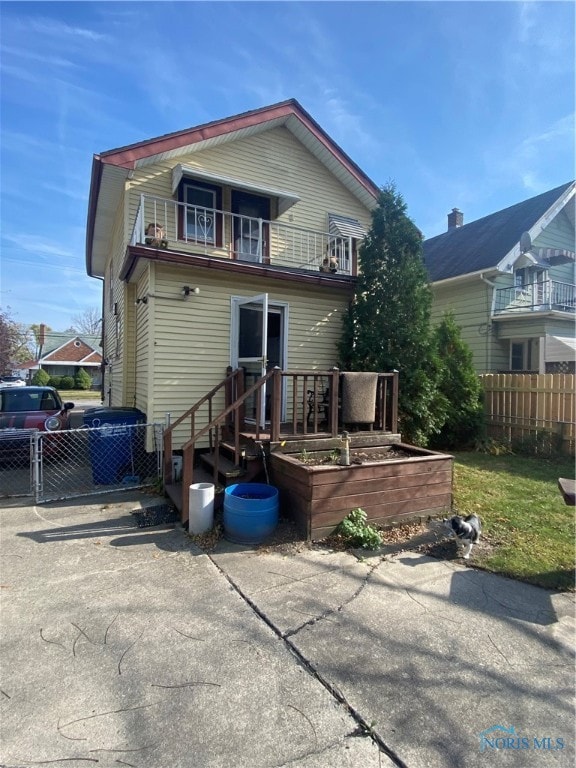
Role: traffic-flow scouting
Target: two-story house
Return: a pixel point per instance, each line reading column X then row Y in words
column 509, row 279
column 229, row 245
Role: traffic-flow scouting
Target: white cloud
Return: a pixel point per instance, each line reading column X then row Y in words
column 34, row 56
column 39, row 246
column 59, row 30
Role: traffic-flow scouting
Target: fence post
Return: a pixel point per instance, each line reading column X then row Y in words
column 36, row 450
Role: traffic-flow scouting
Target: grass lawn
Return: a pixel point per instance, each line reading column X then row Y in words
column 79, row 395
column 526, row 525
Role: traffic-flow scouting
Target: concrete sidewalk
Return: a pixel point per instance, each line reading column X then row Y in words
column 127, row 646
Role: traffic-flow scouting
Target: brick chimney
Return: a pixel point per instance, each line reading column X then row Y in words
column 455, row 218
column 41, row 335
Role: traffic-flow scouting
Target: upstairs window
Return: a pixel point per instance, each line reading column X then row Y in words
column 201, row 221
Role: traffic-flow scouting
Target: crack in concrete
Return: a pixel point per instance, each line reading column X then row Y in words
column 506, row 659
column 311, row 669
column 126, row 651
column 331, row 611
column 305, row 755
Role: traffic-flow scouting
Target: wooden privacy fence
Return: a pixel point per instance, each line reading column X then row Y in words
column 537, row 408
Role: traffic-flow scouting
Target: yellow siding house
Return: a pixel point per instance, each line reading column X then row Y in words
column 231, row 244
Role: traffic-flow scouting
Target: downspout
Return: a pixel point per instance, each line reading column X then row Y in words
column 489, row 323
column 103, row 332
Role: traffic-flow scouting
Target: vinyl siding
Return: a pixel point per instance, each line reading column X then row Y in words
column 115, row 321
column 274, row 158
column 558, row 234
column 142, row 339
column 471, row 303
column 192, row 338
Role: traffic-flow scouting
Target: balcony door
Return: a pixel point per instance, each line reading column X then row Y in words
column 258, row 343
column 250, row 228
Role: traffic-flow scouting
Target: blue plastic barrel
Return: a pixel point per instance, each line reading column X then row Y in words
column 115, row 445
column 250, row 512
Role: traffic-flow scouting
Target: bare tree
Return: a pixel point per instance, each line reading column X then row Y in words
column 87, row 322
column 16, row 342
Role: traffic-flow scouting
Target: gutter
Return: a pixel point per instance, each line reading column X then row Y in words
column 92, row 207
column 485, row 280
column 461, row 278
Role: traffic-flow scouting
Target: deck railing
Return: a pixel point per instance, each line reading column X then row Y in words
column 165, row 223
column 535, row 297
column 298, row 403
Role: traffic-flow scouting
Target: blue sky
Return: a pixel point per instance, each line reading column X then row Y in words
column 461, row 104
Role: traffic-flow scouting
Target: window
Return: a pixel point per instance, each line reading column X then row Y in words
column 520, row 278
column 520, row 358
column 200, row 221
column 346, row 232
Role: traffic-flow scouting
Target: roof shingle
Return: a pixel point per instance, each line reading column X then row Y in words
column 484, row 242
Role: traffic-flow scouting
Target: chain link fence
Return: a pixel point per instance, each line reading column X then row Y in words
column 79, row 462
column 16, row 454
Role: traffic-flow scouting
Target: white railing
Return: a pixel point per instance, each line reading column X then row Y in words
column 534, row 297
column 163, row 223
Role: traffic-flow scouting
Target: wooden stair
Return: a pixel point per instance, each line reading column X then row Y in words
column 228, row 472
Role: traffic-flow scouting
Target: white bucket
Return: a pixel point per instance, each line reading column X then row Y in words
column 201, row 507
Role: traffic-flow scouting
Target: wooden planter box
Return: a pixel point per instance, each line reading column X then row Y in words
column 317, row 498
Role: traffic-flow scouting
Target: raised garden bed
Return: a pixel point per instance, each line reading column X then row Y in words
column 391, row 482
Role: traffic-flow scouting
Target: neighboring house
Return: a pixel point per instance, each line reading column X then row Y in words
column 509, row 280
column 233, row 243
column 62, row 354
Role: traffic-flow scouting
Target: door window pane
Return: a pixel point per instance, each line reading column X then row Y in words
column 200, row 215
column 250, row 332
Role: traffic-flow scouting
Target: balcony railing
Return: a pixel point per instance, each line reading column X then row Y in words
column 164, row 223
column 536, row 297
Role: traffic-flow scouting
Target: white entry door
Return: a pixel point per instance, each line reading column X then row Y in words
column 252, row 347
column 258, row 342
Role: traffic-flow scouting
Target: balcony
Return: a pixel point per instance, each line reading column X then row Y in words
column 168, row 224
column 536, row 297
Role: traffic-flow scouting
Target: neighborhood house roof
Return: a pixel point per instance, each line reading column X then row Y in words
column 110, row 170
column 55, row 341
column 483, row 243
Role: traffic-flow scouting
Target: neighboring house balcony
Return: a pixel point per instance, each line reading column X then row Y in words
column 542, row 296
column 175, row 226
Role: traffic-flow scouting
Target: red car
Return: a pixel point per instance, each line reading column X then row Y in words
column 23, row 409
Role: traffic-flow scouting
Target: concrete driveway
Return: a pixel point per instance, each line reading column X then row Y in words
column 127, row 646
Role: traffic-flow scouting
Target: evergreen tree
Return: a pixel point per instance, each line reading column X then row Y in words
column 40, row 378
column 387, row 326
column 82, row 379
column 460, row 385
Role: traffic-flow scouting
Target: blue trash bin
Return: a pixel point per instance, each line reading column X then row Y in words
column 114, row 446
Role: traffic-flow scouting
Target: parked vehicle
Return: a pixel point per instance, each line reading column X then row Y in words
column 23, row 409
column 11, row 381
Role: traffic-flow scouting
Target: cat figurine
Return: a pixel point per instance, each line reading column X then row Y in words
column 466, row 530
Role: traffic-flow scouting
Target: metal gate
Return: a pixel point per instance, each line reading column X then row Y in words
column 80, row 462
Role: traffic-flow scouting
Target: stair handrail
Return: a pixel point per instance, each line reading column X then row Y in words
column 168, row 431
column 258, row 384
column 208, row 396
column 188, row 447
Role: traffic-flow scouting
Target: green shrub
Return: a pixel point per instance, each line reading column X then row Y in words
column 82, row 380
column 67, row 382
column 357, row 532
column 40, row 378
column 55, row 381
column 460, row 387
